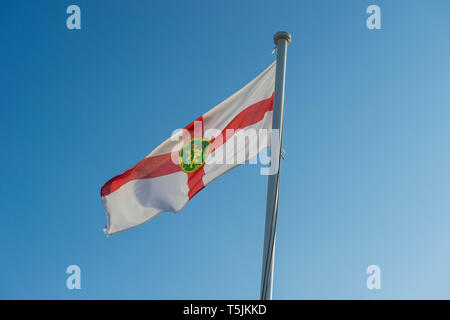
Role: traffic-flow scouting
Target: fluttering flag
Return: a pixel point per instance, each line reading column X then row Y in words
column 228, row 135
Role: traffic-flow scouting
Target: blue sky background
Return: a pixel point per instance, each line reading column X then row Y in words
column 367, row 136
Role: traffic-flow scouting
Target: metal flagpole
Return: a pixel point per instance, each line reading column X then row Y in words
column 282, row 40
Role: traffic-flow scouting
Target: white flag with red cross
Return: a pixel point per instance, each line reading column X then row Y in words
column 193, row 157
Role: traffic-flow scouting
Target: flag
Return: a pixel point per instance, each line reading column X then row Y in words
column 193, row 157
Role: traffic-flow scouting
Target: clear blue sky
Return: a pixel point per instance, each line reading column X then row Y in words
column 367, row 136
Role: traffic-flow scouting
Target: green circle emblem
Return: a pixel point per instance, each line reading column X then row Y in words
column 193, row 154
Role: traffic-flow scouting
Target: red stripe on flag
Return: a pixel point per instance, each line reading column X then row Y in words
column 195, row 181
column 245, row 118
column 193, row 125
column 150, row 167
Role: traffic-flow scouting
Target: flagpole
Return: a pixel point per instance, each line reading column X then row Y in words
column 282, row 40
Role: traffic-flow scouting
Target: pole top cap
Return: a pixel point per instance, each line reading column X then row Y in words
column 282, row 35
